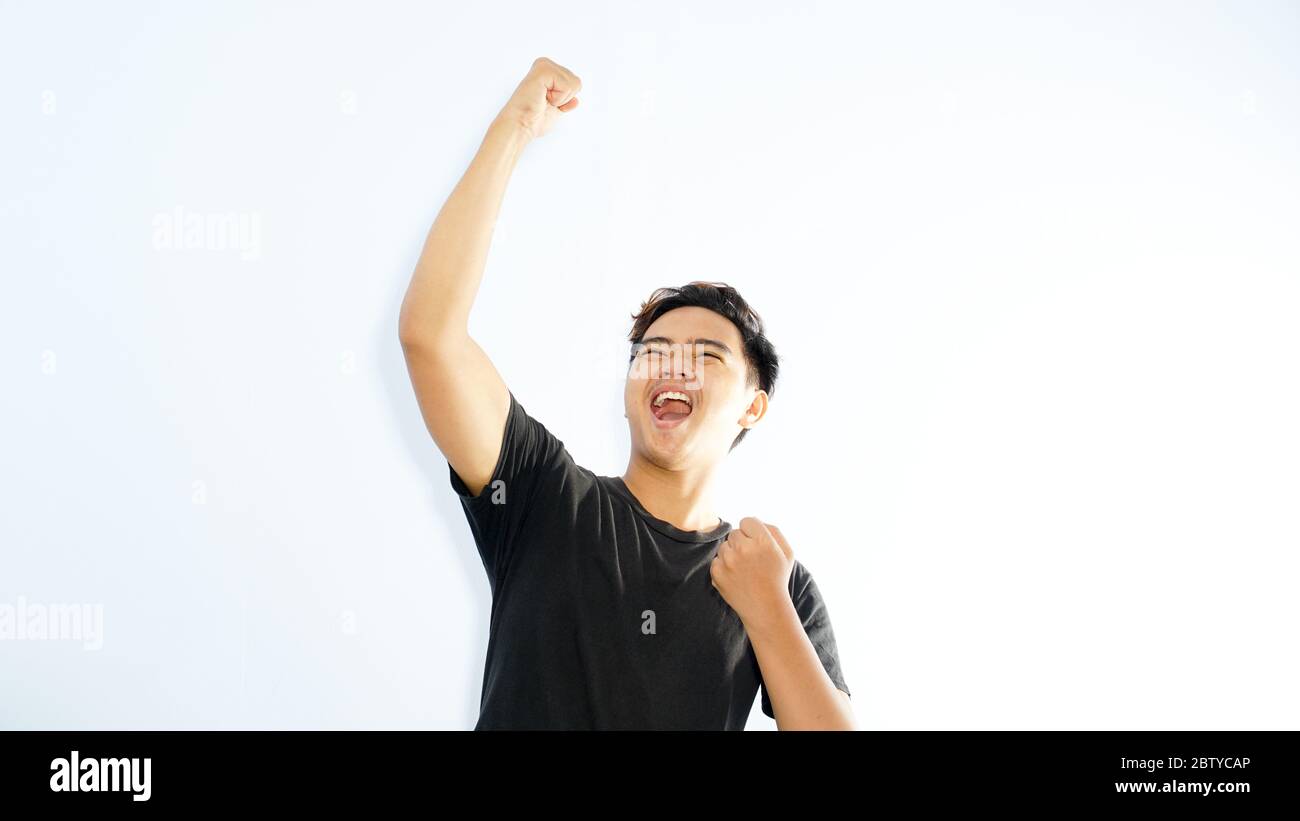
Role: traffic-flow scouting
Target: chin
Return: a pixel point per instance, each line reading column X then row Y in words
column 665, row 446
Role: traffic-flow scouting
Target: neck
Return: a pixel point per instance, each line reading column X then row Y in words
column 682, row 498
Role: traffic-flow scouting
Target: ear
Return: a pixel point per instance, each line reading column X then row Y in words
column 757, row 410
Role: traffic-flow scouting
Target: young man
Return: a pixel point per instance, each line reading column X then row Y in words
column 617, row 602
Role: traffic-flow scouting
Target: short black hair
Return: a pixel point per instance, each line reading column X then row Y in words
column 760, row 356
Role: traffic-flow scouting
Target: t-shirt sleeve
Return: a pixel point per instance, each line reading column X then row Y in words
column 532, row 461
column 816, row 620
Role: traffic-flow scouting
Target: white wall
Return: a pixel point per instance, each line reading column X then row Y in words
column 1032, row 269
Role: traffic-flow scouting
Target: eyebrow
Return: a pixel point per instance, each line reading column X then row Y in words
column 698, row 341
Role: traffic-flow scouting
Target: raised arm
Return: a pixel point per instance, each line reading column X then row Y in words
column 462, row 397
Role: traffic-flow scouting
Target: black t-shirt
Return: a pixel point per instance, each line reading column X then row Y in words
column 603, row 616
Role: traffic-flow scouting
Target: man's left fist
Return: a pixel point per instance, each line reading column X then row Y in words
column 752, row 570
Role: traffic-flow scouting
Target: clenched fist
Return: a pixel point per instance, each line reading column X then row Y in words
column 548, row 89
column 752, row 570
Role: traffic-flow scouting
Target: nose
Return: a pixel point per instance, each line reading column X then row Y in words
column 677, row 368
column 683, row 370
column 666, row 365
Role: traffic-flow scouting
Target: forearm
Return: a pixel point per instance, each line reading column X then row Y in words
column 450, row 268
column 802, row 694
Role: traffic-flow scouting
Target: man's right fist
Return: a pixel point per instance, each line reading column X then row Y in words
column 548, row 89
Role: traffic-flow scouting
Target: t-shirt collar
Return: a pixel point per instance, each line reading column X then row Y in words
column 667, row 528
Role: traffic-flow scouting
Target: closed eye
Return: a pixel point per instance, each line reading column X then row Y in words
column 643, row 351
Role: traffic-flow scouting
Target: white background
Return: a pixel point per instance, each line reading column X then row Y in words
column 1032, row 269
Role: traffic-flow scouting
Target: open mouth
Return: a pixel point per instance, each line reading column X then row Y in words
column 669, row 407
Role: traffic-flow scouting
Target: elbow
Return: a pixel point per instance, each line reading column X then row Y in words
column 408, row 323
column 409, row 331
column 427, row 318
column 419, row 332
column 413, row 328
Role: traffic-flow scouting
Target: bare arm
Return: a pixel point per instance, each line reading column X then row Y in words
column 462, row 397
column 751, row 571
column 802, row 694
